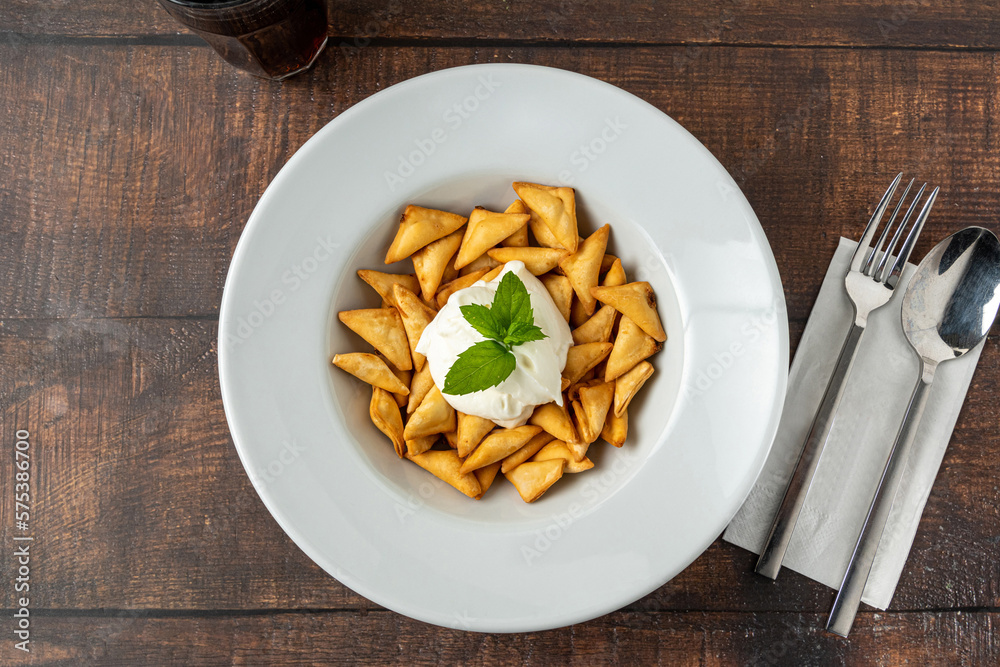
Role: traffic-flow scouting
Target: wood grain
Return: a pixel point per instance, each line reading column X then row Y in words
column 142, row 190
column 142, row 502
column 623, row 638
column 899, row 23
column 132, row 158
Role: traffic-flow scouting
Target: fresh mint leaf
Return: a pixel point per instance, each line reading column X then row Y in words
column 486, row 364
column 503, row 300
column 521, row 333
column 520, row 305
column 512, row 303
column 481, row 319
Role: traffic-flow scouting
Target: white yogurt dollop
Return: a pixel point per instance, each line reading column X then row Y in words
column 536, row 379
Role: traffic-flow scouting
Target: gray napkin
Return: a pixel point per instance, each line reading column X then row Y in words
column 874, row 401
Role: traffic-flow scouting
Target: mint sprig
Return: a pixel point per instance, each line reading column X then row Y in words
column 482, row 320
column 484, row 365
column 508, row 322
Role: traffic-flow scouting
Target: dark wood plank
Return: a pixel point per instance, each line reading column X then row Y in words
column 617, row 639
column 140, row 499
column 130, row 172
column 160, row 247
column 946, row 24
column 132, row 157
column 129, row 201
column 141, row 502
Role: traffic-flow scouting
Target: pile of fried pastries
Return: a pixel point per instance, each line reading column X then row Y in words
column 614, row 322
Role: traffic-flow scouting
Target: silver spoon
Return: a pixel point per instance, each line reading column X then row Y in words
column 948, row 308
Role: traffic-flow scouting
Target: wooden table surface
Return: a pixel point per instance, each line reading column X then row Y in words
column 130, row 158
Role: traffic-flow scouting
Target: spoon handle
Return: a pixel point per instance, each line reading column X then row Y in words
column 845, row 607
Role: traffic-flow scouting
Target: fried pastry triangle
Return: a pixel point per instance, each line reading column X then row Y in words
column 402, row 376
column 383, row 282
column 385, row 415
column 498, row 445
column 445, row 465
column 383, row 329
column 632, row 345
column 485, row 230
column 557, row 449
column 583, row 268
column 555, row 420
column 592, row 409
column 637, row 301
column 536, row 260
column 533, row 478
column 418, row 227
column 597, row 329
column 616, row 429
column 416, row 315
column 471, row 431
column 431, row 261
column 581, row 358
column 561, row 291
column 527, row 451
column 493, row 273
column 518, row 239
column 420, row 445
column 433, row 416
column 628, row 384
column 371, row 369
column 615, row 275
column 485, row 477
column 557, row 209
column 420, row 384
column 446, row 290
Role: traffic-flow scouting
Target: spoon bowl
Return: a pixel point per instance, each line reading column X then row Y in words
column 952, row 299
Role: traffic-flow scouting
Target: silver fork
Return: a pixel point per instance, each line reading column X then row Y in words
column 870, row 282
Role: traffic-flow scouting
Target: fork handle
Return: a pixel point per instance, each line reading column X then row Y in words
column 780, row 535
column 845, row 607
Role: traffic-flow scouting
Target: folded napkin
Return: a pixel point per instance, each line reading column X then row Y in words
column 885, row 372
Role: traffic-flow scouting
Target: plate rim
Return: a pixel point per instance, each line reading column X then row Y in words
column 256, row 219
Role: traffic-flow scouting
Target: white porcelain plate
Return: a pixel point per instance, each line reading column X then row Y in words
column 598, row 540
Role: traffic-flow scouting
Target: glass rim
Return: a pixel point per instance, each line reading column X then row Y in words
column 209, row 4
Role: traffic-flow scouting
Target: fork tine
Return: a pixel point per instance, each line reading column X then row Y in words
column 911, row 240
column 880, row 271
column 870, row 262
column 866, row 239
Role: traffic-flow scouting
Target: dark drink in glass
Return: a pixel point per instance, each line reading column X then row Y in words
column 272, row 39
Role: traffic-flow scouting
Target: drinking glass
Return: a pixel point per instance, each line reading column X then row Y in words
column 272, row 39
